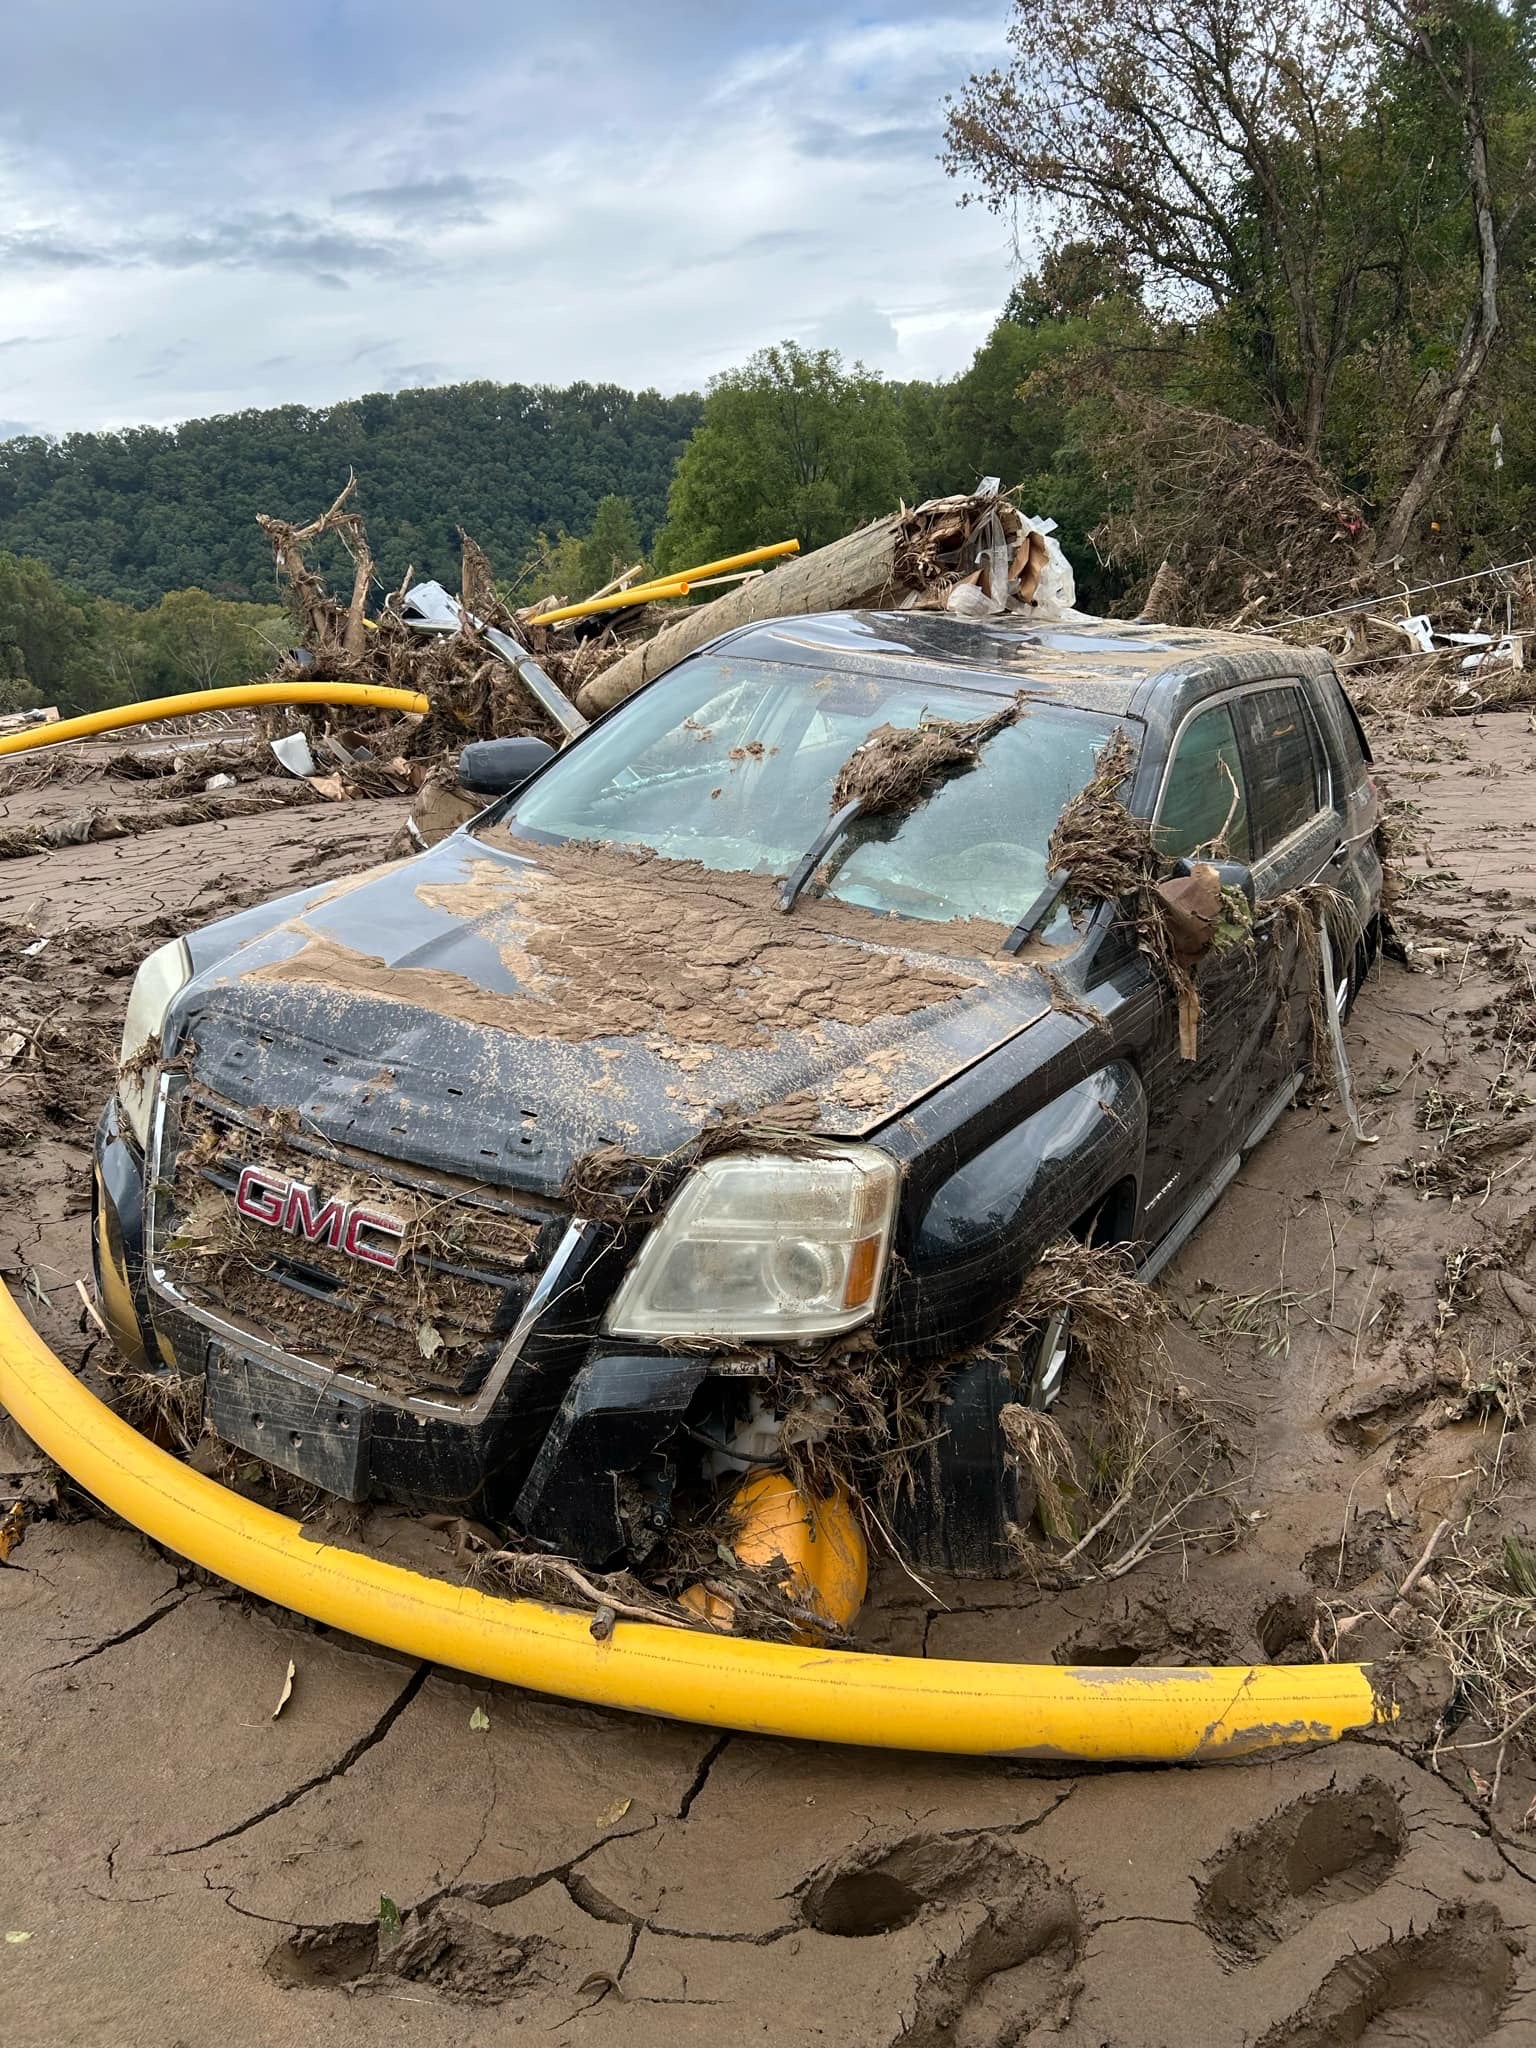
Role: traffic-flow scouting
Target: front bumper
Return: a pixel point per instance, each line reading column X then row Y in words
column 572, row 1448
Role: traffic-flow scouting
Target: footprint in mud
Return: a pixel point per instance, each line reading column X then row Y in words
column 1014, row 1967
column 1443, row 1988
column 1284, row 1629
column 451, row 1948
column 1327, row 1846
column 1373, row 1543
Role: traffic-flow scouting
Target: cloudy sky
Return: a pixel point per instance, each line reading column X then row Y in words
column 210, row 204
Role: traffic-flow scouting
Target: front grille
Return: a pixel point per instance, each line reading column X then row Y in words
column 469, row 1256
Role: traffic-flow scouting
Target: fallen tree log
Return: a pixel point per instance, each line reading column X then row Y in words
column 914, row 556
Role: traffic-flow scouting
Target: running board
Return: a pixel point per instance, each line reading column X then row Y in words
column 1192, row 1218
column 1217, row 1185
column 1271, row 1116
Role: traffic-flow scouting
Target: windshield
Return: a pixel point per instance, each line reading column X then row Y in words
column 733, row 763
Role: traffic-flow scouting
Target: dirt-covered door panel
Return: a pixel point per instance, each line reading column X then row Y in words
column 1297, row 833
column 1199, row 1109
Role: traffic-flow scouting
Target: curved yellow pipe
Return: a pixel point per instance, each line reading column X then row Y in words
column 192, row 702
column 1113, row 1715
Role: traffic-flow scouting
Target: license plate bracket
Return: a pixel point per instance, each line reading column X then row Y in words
column 318, row 1434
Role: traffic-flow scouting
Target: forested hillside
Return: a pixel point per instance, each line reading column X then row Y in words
column 135, row 514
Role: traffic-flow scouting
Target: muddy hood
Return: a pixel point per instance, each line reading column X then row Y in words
column 499, row 1013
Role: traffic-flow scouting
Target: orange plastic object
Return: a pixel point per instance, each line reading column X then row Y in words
column 820, row 1542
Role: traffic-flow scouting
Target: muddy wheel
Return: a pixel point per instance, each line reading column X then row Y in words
column 1049, row 1359
column 1349, row 972
column 964, row 1489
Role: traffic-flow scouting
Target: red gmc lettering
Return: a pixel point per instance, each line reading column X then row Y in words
column 387, row 1227
column 260, row 1195
column 329, row 1222
column 283, row 1204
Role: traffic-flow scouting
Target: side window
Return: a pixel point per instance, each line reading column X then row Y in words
column 1207, row 771
column 1287, row 780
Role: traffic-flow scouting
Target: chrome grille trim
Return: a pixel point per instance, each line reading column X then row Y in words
column 467, row 1409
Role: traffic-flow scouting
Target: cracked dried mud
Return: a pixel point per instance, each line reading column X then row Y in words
column 374, row 1864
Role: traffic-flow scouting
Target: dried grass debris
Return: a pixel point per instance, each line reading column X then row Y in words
column 1146, row 1459
column 1470, row 1156
column 896, row 767
column 167, row 1407
column 1250, row 527
column 613, row 1185
column 1104, row 852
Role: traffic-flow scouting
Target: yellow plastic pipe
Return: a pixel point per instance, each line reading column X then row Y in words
column 748, row 560
column 640, row 593
column 1103, row 1715
column 192, row 702
column 675, row 585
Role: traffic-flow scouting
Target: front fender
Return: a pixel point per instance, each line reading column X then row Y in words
column 987, row 1224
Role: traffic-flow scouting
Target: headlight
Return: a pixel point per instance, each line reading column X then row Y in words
column 159, row 980
column 753, row 1245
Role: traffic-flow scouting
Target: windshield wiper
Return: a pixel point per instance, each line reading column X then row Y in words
column 803, row 870
column 1036, row 914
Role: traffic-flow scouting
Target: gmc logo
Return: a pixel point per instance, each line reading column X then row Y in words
column 284, row 1204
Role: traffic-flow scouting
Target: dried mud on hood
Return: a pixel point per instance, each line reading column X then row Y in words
column 604, row 944
column 635, row 994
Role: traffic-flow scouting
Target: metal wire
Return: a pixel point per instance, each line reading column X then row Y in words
column 1365, row 604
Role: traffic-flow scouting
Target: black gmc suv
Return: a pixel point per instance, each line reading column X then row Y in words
column 340, row 1181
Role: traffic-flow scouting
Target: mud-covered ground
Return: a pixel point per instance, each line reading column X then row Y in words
column 178, row 1866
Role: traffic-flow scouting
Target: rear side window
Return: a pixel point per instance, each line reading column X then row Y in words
column 1287, row 778
column 1205, row 773
column 1352, row 720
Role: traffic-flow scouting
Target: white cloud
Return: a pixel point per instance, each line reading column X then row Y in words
column 580, row 203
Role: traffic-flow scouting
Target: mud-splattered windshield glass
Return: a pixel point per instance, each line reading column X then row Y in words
column 733, row 764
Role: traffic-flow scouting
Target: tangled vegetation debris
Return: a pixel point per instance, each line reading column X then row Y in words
column 611, row 1185
column 1250, row 528
column 473, row 690
column 1104, row 853
column 88, row 827
column 897, row 766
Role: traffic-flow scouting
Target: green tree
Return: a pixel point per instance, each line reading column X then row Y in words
column 549, row 568
column 612, row 546
column 790, row 444
column 51, row 642
column 1304, row 183
column 194, row 641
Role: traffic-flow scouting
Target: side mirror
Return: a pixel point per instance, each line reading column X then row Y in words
column 1233, row 875
column 497, row 767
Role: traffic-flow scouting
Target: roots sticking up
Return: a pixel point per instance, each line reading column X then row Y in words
column 473, row 691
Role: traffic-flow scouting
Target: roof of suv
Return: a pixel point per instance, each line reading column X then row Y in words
column 1102, row 664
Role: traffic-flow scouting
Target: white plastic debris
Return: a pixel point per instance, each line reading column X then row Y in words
column 1055, row 594
column 1509, row 652
column 219, row 782
column 292, row 752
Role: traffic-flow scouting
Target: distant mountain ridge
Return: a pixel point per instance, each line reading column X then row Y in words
column 135, row 513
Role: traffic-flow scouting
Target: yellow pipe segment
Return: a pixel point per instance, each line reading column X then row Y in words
column 748, row 560
column 641, row 593
column 191, row 703
column 1044, row 1710
column 675, row 585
